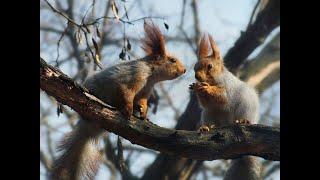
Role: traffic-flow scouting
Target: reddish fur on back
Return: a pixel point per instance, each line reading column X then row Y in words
column 153, row 42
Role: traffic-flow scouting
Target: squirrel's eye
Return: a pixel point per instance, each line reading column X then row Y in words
column 172, row 60
column 209, row 66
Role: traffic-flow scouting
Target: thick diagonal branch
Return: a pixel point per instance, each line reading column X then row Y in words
column 224, row 143
column 267, row 20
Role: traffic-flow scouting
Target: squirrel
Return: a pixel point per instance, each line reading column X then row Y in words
column 126, row 86
column 225, row 100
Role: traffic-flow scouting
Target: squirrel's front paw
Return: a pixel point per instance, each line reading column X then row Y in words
column 243, row 121
column 192, row 86
column 142, row 111
column 203, row 129
column 203, row 88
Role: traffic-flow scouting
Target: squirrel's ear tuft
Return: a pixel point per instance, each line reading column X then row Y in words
column 153, row 42
column 204, row 46
column 208, row 48
column 215, row 50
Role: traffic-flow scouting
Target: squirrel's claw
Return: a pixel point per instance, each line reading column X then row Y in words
column 141, row 112
column 243, row 121
column 203, row 129
column 192, row 86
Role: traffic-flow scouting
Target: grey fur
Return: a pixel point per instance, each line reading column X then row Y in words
column 71, row 164
column 242, row 103
column 114, row 76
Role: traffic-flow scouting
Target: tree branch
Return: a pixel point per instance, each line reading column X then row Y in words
column 267, row 20
column 224, row 143
column 194, row 7
column 264, row 70
column 45, row 161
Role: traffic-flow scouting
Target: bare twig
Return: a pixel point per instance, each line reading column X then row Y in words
column 194, row 6
column 120, row 159
column 182, row 13
column 253, row 13
column 114, row 159
column 191, row 44
column 169, row 100
column 63, row 15
column 58, row 44
column 45, row 161
column 272, row 170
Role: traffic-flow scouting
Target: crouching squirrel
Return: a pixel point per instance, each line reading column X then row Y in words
column 225, row 100
column 126, row 86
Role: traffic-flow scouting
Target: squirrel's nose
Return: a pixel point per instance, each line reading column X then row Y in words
column 184, row 71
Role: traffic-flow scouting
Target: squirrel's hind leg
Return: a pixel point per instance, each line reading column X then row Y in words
column 142, row 106
column 126, row 103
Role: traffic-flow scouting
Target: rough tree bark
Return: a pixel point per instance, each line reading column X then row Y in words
column 224, row 143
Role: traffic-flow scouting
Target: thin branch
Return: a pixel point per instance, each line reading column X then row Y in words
column 169, row 100
column 183, row 13
column 253, row 13
column 62, row 14
column 114, row 159
column 45, row 161
column 58, row 44
column 137, row 149
column 194, row 6
column 120, row 159
column 49, row 142
column 82, row 27
column 273, row 169
column 189, row 41
column 111, row 167
column 50, row 29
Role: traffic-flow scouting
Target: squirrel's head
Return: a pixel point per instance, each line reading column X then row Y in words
column 210, row 64
column 163, row 65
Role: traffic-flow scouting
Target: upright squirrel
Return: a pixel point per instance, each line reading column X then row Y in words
column 225, row 100
column 127, row 86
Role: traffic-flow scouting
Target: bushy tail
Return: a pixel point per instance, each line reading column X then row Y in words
column 80, row 157
column 244, row 168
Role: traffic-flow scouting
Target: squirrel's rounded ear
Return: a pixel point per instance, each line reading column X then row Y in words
column 215, row 50
column 203, row 47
